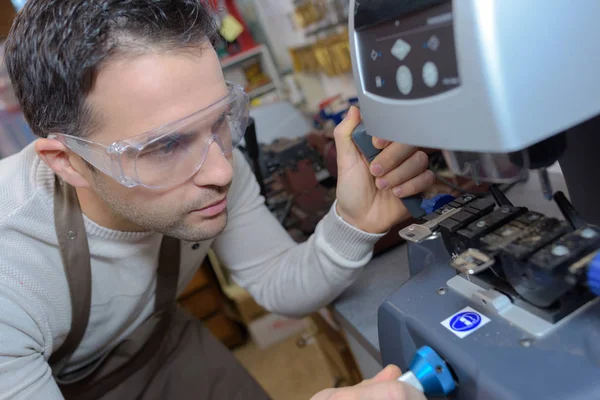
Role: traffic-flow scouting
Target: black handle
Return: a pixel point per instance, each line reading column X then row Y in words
column 364, row 142
column 254, row 153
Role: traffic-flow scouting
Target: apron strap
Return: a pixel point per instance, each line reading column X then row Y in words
column 75, row 253
column 167, row 274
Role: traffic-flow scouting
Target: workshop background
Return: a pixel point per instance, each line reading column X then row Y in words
column 293, row 58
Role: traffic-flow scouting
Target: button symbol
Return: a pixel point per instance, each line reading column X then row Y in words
column 378, row 81
column 433, row 43
column 430, row 74
column 375, row 54
column 466, row 321
column 404, row 80
column 400, row 49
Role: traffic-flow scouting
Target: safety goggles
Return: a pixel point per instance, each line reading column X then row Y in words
column 170, row 154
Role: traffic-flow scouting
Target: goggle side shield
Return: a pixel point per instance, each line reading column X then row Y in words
column 173, row 153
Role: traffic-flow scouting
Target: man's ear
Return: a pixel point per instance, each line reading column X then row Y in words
column 58, row 157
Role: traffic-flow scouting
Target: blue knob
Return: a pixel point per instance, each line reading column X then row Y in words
column 432, row 372
column 593, row 275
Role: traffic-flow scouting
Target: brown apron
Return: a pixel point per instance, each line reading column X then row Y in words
column 170, row 356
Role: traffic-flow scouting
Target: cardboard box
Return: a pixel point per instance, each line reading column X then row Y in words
column 203, row 303
column 272, row 328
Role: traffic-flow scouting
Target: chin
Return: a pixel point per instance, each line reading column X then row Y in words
column 203, row 230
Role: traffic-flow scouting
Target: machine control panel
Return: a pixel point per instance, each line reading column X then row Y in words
column 409, row 57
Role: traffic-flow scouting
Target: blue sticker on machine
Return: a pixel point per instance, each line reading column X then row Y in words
column 465, row 322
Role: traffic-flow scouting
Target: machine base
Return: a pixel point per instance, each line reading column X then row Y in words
column 497, row 360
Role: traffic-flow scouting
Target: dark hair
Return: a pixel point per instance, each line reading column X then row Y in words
column 56, row 47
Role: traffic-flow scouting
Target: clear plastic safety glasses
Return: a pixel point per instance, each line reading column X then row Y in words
column 171, row 154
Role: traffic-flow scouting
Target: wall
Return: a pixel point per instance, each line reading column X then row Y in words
column 275, row 16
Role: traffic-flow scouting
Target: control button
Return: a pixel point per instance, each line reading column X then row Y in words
column 379, row 82
column 430, row 74
column 375, row 54
column 404, row 80
column 433, row 43
column 401, row 49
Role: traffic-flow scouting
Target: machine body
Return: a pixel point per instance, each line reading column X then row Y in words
column 505, row 295
column 483, row 80
column 529, row 339
column 475, row 76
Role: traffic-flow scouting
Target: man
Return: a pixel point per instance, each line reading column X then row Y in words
column 135, row 172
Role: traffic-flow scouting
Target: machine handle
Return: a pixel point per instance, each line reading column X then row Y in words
column 429, row 374
column 364, row 142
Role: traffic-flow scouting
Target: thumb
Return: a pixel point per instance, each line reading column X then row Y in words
column 390, row 373
column 343, row 132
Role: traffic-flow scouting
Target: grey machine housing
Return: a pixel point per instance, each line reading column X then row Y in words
column 510, row 73
column 513, row 73
column 501, row 360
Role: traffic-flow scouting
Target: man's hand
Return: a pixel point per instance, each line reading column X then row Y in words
column 384, row 386
column 373, row 204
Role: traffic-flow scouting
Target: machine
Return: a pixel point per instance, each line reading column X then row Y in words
column 507, row 297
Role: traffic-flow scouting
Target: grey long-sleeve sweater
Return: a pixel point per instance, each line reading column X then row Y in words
column 35, row 310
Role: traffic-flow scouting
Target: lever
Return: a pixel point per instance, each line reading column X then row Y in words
column 429, row 374
column 364, row 142
column 499, row 196
column 568, row 211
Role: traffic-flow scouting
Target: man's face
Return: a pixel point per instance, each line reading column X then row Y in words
column 135, row 94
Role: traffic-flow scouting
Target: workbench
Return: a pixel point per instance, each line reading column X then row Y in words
column 356, row 309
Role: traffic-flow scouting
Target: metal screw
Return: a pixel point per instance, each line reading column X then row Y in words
column 588, row 233
column 468, row 198
column 71, row 235
column 560, row 251
column 410, row 235
column 534, row 217
column 508, row 232
column 481, row 224
column 505, row 210
column 441, row 291
column 439, row 369
column 526, row 342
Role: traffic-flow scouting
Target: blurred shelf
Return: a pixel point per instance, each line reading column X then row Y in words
column 234, row 66
column 261, row 90
column 241, row 57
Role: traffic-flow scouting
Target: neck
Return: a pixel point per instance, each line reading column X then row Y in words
column 98, row 211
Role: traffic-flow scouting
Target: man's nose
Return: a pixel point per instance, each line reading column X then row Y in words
column 217, row 169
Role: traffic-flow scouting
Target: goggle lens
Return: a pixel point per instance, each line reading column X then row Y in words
column 176, row 157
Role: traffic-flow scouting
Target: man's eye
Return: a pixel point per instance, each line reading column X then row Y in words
column 219, row 123
column 167, row 145
column 171, row 145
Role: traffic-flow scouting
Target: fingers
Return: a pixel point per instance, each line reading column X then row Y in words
column 380, row 143
column 415, row 165
column 343, row 132
column 416, row 185
column 393, row 155
column 388, row 390
column 383, row 386
column 390, row 373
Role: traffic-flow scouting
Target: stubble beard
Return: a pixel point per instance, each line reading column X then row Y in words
column 170, row 223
